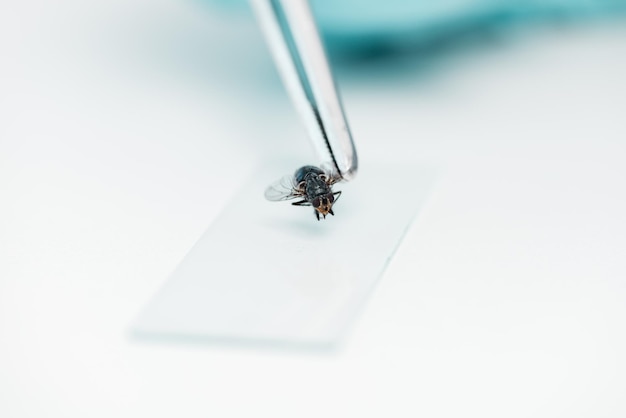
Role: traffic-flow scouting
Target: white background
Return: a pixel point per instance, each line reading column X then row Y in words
column 126, row 126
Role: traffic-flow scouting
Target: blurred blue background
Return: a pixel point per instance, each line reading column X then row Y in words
column 364, row 25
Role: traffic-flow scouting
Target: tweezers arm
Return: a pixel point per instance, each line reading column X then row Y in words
column 301, row 60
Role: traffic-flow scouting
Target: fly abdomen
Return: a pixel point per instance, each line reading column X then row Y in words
column 302, row 173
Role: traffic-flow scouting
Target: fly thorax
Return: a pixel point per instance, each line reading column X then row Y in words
column 315, row 187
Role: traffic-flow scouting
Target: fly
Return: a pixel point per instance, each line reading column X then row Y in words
column 312, row 185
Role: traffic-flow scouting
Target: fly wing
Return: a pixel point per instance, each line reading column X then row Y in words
column 283, row 189
column 331, row 172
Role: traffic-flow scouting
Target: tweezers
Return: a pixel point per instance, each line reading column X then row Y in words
column 294, row 41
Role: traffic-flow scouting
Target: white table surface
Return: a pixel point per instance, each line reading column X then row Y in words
column 126, row 126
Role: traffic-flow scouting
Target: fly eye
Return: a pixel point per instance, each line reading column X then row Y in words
column 331, row 198
column 316, row 202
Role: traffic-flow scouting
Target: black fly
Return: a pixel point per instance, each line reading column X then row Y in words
column 312, row 185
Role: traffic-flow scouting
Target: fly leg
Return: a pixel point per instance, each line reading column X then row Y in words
column 303, row 202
